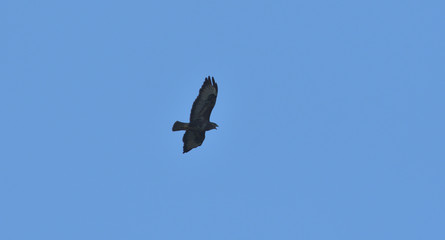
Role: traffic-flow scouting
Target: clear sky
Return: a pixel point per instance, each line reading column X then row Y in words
column 331, row 115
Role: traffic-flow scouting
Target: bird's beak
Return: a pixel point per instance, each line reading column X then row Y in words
column 216, row 126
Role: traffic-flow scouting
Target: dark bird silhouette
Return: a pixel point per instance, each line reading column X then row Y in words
column 199, row 116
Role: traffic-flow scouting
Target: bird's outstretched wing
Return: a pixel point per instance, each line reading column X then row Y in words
column 204, row 103
column 192, row 139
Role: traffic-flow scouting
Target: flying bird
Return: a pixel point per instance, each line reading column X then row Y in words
column 199, row 116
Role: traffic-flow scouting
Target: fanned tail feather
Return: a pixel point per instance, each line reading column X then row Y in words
column 177, row 126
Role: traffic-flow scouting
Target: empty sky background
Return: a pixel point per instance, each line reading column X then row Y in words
column 331, row 115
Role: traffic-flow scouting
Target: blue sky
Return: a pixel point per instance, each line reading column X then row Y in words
column 331, row 118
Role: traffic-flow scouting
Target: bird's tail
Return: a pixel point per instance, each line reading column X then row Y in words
column 180, row 126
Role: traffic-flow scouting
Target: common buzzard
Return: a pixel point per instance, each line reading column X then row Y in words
column 199, row 116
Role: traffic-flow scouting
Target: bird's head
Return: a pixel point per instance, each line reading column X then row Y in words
column 213, row 126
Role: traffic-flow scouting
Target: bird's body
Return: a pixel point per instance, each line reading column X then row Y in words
column 199, row 116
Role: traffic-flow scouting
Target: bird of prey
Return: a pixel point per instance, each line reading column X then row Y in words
column 199, row 116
